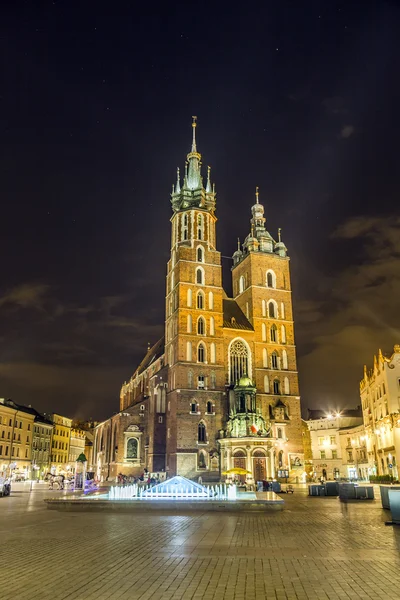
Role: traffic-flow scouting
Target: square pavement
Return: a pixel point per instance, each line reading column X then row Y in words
column 316, row 548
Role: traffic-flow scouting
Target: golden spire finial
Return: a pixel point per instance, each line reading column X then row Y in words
column 238, row 243
column 194, row 125
column 279, row 235
column 257, row 194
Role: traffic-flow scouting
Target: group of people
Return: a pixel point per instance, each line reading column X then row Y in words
column 144, row 478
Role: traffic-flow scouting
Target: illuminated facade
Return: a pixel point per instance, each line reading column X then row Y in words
column 222, row 390
column 16, row 430
column 380, row 399
column 60, row 443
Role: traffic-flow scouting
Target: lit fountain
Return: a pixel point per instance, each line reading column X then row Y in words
column 177, row 488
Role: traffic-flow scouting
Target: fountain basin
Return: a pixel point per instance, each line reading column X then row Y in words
column 250, row 503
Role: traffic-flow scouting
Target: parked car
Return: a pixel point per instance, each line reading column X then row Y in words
column 5, row 487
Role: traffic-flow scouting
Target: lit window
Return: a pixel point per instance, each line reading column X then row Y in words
column 201, row 353
column 201, row 326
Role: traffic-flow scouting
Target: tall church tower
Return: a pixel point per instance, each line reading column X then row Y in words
column 193, row 325
column 261, row 287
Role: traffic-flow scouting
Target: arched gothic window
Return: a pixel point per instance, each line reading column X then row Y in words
column 238, row 360
column 189, row 298
column 277, row 386
column 201, row 460
column 273, row 333
column 199, row 276
column 200, row 254
column 279, row 431
column 201, row 327
column 189, row 351
column 200, row 300
column 209, row 408
column 283, row 334
column 265, row 358
column 271, row 279
column 266, row 384
column 241, row 284
column 272, row 312
column 263, row 309
column 201, row 433
column 201, row 353
column 282, row 310
column 274, row 360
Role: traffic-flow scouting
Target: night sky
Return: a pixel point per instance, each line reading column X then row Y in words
column 96, row 100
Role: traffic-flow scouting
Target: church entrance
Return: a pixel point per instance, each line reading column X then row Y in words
column 239, row 462
column 259, row 466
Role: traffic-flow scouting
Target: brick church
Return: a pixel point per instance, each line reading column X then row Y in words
column 220, row 390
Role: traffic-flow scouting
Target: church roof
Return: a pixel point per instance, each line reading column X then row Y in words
column 152, row 354
column 234, row 317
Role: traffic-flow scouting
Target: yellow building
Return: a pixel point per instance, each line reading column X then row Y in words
column 16, row 430
column 61, row 443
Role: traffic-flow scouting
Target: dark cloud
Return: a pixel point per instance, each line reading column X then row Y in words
column 347, row 131
column 357, row 312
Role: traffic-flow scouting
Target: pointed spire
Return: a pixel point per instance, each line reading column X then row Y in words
column 194, row 125
column 279, row 235
column 257, row 194
column 208, row 186
column 238, row 243
column 178, row 181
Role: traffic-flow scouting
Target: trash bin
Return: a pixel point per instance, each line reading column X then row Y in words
column 347, row 491
column 394, row 503
column 384, row 490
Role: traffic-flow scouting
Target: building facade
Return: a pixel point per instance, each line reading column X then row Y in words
column 76, row 447
column 16, row 431
column 226, row 391
column 60, row 443
column 380, row 400
column 331, row 456
column 353, row 443
column 41, row 446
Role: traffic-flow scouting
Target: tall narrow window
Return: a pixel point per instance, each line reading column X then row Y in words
column 212, row 353
column 263, row 332
column 241, row 284
column 286, row 385
column 266, row 384
column 277, row 386
column 271, row 279
column 201, row 326
column 210, row 407
column 265, row 358
column 172, row 281
column 263, row 309
column 283, row 334
column 282, row 310
column 284, row 359
column 210, row 301
column 200, row 227
column 199, row 276
column 200, row 254
column 189, row 351
column 272, row 310
column 189, row 323
column 212, row 326
column 279, row 433
column 273, row 333
column 200, row 300
column 274, row 360
column 201, row 353
column 201, row 433
column 213, row 380
column 189, row 298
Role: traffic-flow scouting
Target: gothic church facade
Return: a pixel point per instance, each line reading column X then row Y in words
column 220, row 390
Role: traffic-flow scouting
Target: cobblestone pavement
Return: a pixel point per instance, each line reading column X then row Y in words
column 316, row 548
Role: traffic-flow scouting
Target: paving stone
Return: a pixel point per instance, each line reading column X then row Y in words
column 316, row 548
